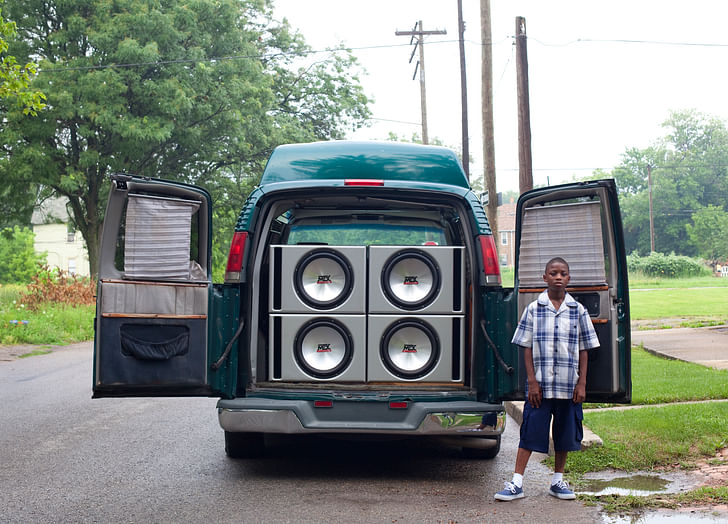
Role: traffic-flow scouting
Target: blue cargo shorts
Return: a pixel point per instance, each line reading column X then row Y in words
column 567, row 430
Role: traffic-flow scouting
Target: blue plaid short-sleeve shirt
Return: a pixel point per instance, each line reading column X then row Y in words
column 556, row 337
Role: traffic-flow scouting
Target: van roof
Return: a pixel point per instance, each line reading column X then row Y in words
column 338, row 160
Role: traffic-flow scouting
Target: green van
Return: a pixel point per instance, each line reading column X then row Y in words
column 362, row 296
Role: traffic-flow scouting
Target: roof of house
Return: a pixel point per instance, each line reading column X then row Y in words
column 50, row 211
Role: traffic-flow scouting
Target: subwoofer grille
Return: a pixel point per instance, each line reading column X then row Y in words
column 410, row 348
column 323, row 279
column 323, row 348
column 411, row 279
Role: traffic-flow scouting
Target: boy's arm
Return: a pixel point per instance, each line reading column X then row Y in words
column 580, row 389
column 534, row 388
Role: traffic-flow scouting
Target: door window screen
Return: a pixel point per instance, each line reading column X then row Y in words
column 158, row 236
column 570, row 231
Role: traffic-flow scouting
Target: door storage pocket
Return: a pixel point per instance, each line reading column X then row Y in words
column 143, row 348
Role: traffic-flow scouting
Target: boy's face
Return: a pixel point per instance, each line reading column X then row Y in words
column 556, row 276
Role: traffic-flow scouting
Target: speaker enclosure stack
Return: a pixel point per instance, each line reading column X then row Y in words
column 357, row 314
column 317, row 305
column 416, row 314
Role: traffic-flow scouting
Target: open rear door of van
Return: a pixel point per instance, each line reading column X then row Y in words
column 162, row 327
column 580, row 223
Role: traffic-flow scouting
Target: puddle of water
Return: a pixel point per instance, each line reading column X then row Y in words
column 635, row 485
column 665, row 518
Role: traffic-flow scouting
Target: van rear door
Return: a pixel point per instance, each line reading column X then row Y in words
column 162, row 327
column 581, row 223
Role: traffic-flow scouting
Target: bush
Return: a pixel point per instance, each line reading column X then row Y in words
column 56, row 286
column 669, row 266
column 18, row 259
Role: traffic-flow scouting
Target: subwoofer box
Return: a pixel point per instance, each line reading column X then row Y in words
column 315, row 279
column 426, row 348
column 317, row 348
column 416, row 279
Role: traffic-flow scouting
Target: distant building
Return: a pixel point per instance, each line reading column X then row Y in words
column 54, row 234
column 507, row 233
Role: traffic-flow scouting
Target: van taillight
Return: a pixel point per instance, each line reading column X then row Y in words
column 490, row 259
column 235, row 258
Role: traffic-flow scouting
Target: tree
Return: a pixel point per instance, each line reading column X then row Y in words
column 15, row 79
column 689, row 171
column 198, row 91
column 709, row 233
column 18, row 260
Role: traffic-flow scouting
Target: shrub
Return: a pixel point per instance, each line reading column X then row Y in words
column 670, row 266
column 18, row 259
column 56, row 286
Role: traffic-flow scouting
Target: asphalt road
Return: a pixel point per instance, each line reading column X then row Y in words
column 67, row 458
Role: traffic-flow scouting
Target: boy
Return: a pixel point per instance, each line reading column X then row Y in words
column 555, row 331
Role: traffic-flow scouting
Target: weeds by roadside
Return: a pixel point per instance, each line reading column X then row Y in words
column 54, row 308
column 634, row 505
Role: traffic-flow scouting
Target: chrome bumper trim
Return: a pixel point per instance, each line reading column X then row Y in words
column 297, row 417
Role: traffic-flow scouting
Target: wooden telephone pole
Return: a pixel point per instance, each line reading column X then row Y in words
column 486, row 38
column 420, row 43
column 525, row 168
column 463, row 91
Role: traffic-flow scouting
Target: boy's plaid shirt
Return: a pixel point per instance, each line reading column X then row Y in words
column 556, row 338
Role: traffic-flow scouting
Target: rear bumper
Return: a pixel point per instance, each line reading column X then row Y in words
column 451, row 418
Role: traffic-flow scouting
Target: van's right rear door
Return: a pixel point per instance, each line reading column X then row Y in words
column 581, row 223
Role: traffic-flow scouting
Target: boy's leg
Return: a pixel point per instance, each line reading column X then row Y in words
column 567, row 433
column 560, row 461
column 522, row 460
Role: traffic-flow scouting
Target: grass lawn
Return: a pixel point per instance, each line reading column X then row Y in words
column 679, row 303
column 52, row 324
column 650, row 437
column 657, row 380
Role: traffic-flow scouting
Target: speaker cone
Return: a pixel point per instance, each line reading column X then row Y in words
column 323, row 348
column 410, row 349
column 323, row 279
column 410, row 279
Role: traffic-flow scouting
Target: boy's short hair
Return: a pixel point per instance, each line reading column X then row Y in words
column 556, row 259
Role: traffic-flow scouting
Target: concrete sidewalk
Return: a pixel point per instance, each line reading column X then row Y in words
column 707, row 346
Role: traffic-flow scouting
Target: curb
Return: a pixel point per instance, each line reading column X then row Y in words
column 515, row 410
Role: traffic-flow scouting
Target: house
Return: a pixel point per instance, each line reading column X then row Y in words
column 54, row 235
column 507, row 233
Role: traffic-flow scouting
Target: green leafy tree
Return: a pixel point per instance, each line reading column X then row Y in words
column 688, row 171
column 199, row 91
column 18, row 260
column 709, row 233
column 15, row 79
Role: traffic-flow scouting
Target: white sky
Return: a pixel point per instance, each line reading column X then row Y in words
column 589, row 100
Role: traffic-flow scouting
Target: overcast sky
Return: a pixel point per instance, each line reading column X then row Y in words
column 603, row 75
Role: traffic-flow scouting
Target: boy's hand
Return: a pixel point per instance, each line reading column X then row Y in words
column 579, row 393
column 534, row 393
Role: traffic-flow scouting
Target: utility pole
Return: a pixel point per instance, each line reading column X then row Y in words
column 419, row 43
column 486, row 38
column 525, row 169
column 463, row 91
column 652, row 220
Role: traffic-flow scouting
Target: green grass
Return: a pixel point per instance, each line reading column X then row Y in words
column 679, row 303
column 651, row 437
column 657, row 380
column 644, row 282
column 52, row 324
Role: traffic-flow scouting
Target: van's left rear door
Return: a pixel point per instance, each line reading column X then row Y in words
column 162, row 327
